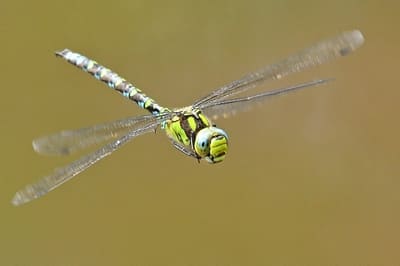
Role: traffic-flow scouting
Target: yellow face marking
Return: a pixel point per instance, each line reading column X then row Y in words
column 218, row 149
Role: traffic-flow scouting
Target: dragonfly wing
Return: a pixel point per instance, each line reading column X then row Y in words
column 317, row 54
column 62, row 175
column 228, row 107
column 70, row 141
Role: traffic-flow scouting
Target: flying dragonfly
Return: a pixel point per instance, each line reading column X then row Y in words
column 189, row 129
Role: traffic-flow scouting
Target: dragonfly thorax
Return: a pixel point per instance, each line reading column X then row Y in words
column 192, row 133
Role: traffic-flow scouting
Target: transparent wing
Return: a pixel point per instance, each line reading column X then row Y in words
column 62, row 175
column 227, row 107
column 317, row 54
column 69, row 141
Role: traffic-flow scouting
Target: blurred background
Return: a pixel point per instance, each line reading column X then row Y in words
column 311, row 178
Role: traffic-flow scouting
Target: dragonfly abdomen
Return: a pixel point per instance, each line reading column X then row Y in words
column 113, row 80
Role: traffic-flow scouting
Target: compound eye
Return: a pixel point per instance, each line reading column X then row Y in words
column 202, row 142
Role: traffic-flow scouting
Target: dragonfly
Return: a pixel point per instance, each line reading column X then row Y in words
column 190, row 129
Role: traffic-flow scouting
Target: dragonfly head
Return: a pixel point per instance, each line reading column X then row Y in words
column 211, row 143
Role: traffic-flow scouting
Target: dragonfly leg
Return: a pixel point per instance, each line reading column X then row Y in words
column 185, row 150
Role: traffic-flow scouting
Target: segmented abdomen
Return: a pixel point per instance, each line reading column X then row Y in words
column 113, row 80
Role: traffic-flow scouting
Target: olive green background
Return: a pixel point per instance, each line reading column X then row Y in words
column 312, row 178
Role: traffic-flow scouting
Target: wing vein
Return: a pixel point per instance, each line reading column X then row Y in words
column 62, row 175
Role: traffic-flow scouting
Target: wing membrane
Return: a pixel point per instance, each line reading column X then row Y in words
column 317, row 54
column 62, row 175
column 70, row 141
column 227, row 107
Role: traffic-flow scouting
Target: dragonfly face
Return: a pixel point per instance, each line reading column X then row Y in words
column 211, row 143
